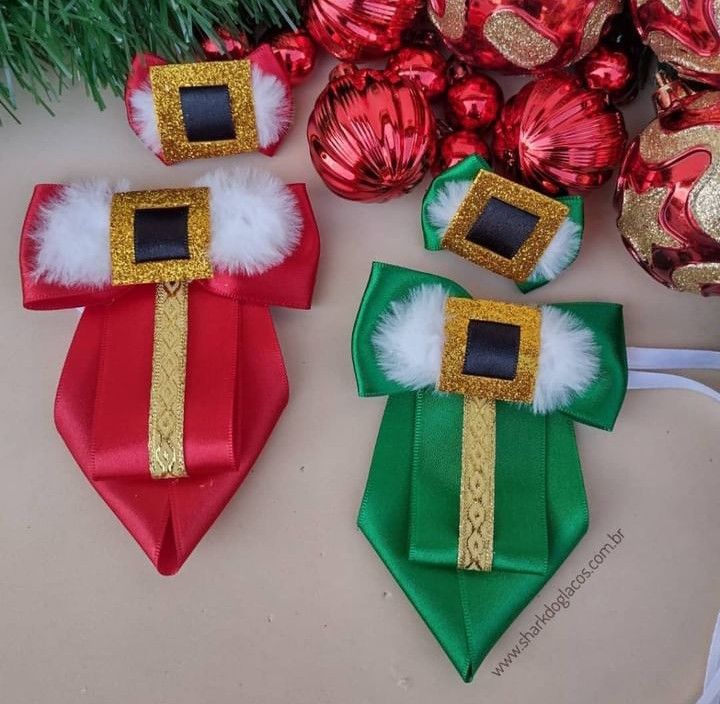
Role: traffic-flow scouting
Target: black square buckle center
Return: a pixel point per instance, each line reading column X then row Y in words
column 207, row 113
column 502, row 228
column 492, row 349
column 161, row 234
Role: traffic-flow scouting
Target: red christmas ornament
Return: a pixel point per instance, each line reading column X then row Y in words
column 556, row 135
column 371, row 136
column 296, row 51
column 607, row 69
column 456, row 146
column 618, row 65
column 520, row 36
column 360, row 29
column 235, row 46
column 426, row 67
column 669, row 188
column 475, row 102
column 684, row 34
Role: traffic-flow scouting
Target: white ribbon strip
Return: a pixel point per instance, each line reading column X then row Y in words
column 711, row 689
column 641, row 359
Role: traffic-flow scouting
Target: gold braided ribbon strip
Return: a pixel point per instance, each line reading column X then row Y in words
column 167, row 392
column 477, row 485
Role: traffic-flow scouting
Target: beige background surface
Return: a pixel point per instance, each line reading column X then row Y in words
column 284, row 602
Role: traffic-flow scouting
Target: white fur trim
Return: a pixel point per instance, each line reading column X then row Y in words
column 256, row 220
column 560, row 253
column 409, row 340
column 568, row 363
column 144, row 118
column 446, row 203
column 273, row 107
column 273, row 111
column 72, row 236
column 409, row 337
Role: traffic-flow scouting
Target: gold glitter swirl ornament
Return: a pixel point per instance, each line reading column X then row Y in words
column 668, row 191
column 519, row 36
column 209, row 108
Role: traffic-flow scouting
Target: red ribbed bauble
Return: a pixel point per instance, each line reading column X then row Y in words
column 296, row 51
column 684, row 34
column 475, row 102
column 371, row 135
column 520, row 36
column 558, row 136
column 360, row 29
column 235, row 46
column 456, row 146
column 668, row 191
column 426, row 67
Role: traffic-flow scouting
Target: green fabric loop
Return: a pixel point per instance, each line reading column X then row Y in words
column 387, row 283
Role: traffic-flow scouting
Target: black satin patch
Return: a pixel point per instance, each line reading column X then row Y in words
column 502, row 228
column 206, row 113
column 492, row 349
column 161, row 234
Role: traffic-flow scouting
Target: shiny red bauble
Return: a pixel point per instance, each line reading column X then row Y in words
column 426, row 67
column 296, row 51
column 235, row 45
column 371, row 135
column 558, row 136
column 608, row 69
column 456, row 146
column 360, row 29
column 520, row 36
column 684, row 34
column 668, row 191
column 474, row 102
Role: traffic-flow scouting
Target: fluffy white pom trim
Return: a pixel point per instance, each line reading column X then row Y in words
column 409, row 338
column 445, row 204
column 272, row 104
column 256, row 220
column 143, row 112
column 72, row 236
column 569, row 360
column 273, row 107
column 560, row 253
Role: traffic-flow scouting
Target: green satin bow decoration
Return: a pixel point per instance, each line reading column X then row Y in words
column 411, row 512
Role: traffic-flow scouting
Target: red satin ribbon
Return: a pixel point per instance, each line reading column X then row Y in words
column 139, row 76
column 236, row 388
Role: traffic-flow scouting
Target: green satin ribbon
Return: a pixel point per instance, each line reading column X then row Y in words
column 410, row 511
column 467, row 170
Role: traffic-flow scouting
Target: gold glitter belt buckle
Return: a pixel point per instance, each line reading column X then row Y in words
column 204, row 109
column 163, row 237
column 503, row 226
column 491, row 349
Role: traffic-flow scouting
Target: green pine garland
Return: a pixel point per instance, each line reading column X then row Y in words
column 47, row 45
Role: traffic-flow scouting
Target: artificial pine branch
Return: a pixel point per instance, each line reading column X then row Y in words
column 47, row 45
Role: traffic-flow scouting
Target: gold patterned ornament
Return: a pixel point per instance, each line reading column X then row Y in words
column 167, row 80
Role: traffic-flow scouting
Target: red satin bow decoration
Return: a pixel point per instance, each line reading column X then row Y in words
column 236, row 387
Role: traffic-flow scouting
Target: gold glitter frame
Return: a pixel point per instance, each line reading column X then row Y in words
column 550, row 213
column 458, row 313
column 166, row 81
column 125, row 270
